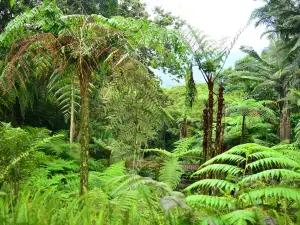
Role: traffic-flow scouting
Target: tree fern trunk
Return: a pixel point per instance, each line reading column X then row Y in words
column 204, row 144
column 72, row 122
column 210, row 118
column 285, row 122
column 219, row 144
column 184, row 129
column 84, row 131
column 243, row 129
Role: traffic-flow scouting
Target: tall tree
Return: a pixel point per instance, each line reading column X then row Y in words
column 280, row 17
column 85, row 42
column 275, row 69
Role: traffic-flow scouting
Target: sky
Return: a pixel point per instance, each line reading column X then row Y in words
column 218, row 19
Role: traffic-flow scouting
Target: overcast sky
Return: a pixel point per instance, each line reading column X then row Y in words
column 218, row 19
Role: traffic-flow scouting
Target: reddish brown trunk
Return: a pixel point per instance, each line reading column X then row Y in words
column 205, row 113
column 210, row 118
column 219, row 128
column 84, row 131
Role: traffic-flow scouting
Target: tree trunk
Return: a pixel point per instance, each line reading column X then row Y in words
column 184, row 129
column 219, row 128
column 72, row 122
column 285, row 126
column 84, row 133
column 243, row 129
column 210, row 118
column 204, row 144
column 285, row 121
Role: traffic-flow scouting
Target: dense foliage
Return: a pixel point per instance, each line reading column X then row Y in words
column 89, row 136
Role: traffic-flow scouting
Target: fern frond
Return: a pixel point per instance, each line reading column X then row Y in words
column 37, row 146
column 264, row 154
column 240, row 217
column 272, row 173
column 115, row 170
column 161, row 151
column 170, row 172
column 226, row 157
column 220, row 203
column 272, row 193
column 214, row 183
column 267, row 163
column 219, row 168
column 247, row 149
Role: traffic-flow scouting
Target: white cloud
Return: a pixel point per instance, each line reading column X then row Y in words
column 218, row 19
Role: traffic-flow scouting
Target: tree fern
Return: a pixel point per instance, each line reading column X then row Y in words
column 247, row 175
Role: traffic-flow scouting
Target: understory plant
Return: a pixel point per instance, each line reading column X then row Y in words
column 249, row 184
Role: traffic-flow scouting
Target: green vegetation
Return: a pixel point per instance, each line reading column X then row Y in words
column 89, row 136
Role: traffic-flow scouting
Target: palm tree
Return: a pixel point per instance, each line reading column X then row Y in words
column 275, row 71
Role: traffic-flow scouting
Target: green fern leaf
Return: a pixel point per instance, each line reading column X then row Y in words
column 225, row 157
column 213, row 183
column 220, row 203
column 268, row 163
column 170, row 172
column 272, row 173
column 219, row 168
column 272, row 193
column 240, row 217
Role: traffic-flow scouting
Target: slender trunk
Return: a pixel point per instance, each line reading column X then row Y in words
column 184, row 131
column 108, row 155
column 13, row 118
column 210, row 116
column 72, row 122
column 285, row 126
column 84, row 131
column 219, row 128
column 205, row 115
column 243, row 129
column 285, row 122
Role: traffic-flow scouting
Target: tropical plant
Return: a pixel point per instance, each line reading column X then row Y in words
column 275, row 69
column 171, row 169
column 18, row 149
column 280, row 17
column 134, row 101
column 115, row 198
column 251, row 108
column 84, row 42
column 246, row 184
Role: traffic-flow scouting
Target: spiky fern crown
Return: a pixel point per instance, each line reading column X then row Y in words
column 246, row 176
